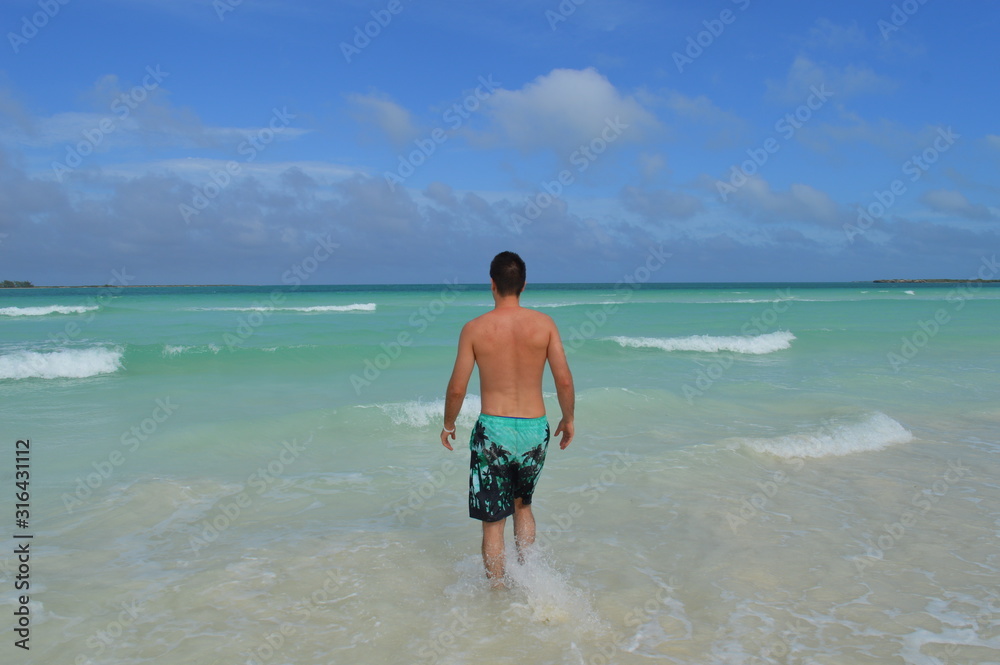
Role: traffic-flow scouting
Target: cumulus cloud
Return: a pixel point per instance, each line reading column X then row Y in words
column 12, row 112
column 959, row 252
column 257, row 228
column 379, row 111
column 801, row 203
column 826, row 34
column 727, row 129
column 650, row 165
column 564, row 109
column 951, row 202
column 660, row 204
column 126, row 114
column 842, row 83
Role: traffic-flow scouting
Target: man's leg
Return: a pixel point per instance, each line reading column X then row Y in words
column 524, row 528
column 493, row 554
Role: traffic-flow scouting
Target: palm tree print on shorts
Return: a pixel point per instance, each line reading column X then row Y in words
column 498, row 476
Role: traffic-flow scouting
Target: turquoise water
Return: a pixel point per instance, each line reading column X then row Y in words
column 763, row 473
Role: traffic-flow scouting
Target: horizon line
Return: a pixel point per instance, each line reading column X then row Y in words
column 486, row 284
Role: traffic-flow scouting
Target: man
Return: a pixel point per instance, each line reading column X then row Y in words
column 511, row 345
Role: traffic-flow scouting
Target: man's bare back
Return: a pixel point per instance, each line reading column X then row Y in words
column 511, row 345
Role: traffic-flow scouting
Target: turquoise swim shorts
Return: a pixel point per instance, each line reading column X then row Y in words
column 507, row 458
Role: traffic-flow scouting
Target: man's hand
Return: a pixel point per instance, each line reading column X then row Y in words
column 444, row 438
column 567, row 433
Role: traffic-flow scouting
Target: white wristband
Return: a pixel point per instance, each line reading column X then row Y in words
column 450, row 431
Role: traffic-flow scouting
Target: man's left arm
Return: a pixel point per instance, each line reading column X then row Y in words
column 565, row 392
column 457, row 385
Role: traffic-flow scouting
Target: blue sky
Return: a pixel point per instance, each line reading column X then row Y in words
column 394, row 141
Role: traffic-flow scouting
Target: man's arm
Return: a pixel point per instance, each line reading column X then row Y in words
column 564, row 387
column 457, row 385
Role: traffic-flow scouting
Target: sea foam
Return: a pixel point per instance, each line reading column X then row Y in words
column 580, row 304
column 354, row 307
column 751, row 344
column 418, row 413
column 875, row 432
column 43, row 311
column 59, row 364
column 550, row 595
column 171, row 350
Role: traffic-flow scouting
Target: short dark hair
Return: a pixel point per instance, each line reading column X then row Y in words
column 508, row 273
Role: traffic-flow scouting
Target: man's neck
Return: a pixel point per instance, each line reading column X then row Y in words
column 503, row 302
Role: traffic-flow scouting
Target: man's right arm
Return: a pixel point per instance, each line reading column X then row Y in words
column 564, row 387
column 457, row 385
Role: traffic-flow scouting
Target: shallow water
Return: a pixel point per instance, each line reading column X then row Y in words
column 762, row 474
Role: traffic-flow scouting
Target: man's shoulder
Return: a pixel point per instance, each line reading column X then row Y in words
column 524, row 312
column 540, row 316
column 478, row 321
column 471, row 327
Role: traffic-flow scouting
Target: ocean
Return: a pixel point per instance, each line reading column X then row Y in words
column 763, row 473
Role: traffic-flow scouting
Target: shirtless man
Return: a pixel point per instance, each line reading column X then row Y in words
column 511, row 345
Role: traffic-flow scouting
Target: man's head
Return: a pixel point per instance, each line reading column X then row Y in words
column 508, row 273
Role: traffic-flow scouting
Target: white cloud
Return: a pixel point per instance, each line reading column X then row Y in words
column 801, row 203
column 951, row 202
column 391, row 118
column 129, row 116
column 660, row 204
column 829, row 35
column 651, row 165
column 842, row 83
column 564, row 109
column 728, row 127
column 200, row 169
column 898, row 141
column 13, row 112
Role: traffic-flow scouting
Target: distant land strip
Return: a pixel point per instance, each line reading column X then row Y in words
column 931, row 281
column 116, row 286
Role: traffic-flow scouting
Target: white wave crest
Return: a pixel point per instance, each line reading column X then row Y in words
column 171, row 350
column 581, row 304
column 875, row 432
column 43, row 311
column 743, row 301
column 418, row 413
column 63, row 363
column 354, row 307
column 751, row 344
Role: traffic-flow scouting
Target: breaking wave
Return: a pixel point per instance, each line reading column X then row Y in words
column 60, row 364
column 751, row 344
column 875, row 432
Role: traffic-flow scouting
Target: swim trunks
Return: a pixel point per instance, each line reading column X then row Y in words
column 507, row 457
